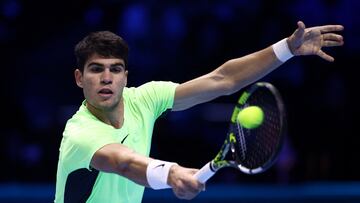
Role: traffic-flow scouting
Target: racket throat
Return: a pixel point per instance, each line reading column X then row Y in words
column 216, row 165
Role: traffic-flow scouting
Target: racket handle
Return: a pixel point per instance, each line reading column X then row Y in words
column 205, row 173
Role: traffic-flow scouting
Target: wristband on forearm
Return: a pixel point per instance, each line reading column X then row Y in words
column 282, row 51
column 157, row 173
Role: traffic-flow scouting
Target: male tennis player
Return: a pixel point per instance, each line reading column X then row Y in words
column 105, row 146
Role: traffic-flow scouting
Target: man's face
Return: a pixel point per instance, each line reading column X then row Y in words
column 103, row 81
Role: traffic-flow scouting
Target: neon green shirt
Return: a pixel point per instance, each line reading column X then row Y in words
column 84, row 134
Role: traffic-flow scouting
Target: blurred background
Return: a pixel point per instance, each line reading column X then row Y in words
column 178, row 41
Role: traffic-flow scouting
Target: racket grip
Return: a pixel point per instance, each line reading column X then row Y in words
column 205, row 173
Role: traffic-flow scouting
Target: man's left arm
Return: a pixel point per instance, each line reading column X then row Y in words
column 240, row 72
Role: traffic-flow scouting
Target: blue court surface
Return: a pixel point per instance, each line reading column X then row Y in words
column 329, row 192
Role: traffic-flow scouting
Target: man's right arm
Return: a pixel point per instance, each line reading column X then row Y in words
column 119, row 159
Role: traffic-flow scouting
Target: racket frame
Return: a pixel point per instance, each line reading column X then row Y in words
column 219, row 161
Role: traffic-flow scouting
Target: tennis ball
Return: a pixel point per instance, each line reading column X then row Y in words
column 251, row 117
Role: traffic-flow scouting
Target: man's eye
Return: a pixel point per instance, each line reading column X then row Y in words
column 96, row 69
column 116, row 69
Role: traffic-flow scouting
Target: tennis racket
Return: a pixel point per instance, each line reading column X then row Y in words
column 252, row 150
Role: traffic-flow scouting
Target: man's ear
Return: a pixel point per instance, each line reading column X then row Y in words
column 126, row 74
column 78, row 78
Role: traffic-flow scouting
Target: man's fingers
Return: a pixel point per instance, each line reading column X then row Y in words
column 301, row 25
column 332, row 40
column 332, row 43
column 330, row 28
column 193, row 171
column 189, row 191
column 332, row 37
column 325, row 56
column 300, row 30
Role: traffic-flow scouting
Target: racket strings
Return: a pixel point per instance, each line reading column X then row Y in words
column 241, row 135
column 259, row 146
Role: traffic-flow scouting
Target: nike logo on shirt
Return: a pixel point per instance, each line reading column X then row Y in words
column 122, row 141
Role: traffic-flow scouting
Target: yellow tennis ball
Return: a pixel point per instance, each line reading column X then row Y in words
column 251, row 117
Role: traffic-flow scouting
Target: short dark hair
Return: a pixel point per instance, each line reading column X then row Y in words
column 104, row 43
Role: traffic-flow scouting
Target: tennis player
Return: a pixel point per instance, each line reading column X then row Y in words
column 105, row 145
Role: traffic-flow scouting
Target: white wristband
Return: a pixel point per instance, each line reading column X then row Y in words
column 157, row 173
column 282, row 51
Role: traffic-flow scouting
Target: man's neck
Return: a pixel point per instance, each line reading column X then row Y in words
column 113, row 117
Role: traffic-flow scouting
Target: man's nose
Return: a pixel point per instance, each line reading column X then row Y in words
column 106, row 77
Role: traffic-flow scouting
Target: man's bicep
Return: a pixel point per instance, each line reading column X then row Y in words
column 121, row 160
column 200, row 90
column 108, row 158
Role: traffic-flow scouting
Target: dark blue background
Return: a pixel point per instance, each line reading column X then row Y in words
column 178, row 41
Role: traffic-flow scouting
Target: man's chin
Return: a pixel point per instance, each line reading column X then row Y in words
column 107, row 105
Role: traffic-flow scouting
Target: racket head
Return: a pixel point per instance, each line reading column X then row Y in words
column 255, row 150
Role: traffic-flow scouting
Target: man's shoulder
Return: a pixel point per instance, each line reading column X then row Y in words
column 81, row 116
column 151, row 85
column 148, row 90
column 83, row 122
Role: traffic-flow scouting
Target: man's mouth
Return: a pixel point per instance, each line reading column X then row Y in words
column 105, row 92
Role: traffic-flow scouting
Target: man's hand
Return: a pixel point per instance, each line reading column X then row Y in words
column 310, row 41
column 183, row 182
